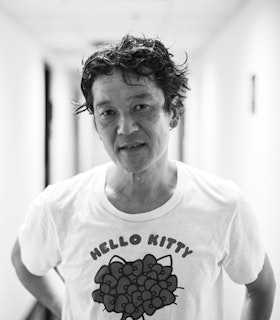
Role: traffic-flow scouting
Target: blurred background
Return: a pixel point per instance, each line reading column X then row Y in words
column 231, row 126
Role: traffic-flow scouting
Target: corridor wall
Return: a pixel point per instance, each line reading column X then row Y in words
column 22, row 150
column 22, row 143
column 229, row 136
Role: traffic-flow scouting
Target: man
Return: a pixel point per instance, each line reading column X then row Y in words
column 142, row 237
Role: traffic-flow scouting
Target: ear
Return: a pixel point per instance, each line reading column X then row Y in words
column 173, row 123
column 174, row 119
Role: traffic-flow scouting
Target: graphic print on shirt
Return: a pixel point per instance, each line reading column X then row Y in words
column 136, row 288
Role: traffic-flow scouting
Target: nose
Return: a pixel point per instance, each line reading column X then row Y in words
column 127, row 125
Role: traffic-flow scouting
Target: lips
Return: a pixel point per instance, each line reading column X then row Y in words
column 131, row 146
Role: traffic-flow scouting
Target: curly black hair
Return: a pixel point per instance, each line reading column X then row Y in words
column 138, row 56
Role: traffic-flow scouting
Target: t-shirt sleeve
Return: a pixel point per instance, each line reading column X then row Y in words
column 245, row 252
column 38, row 238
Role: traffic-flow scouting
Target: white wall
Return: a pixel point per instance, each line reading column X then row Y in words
column 62, row 140
column 22, row 151
column 22, row 130
column 224, row 137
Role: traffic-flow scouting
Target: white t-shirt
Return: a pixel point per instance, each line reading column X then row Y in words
column 165, row 264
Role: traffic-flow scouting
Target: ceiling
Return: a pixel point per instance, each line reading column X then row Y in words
column 70, row 29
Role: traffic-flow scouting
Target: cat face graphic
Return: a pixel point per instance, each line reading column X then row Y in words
column 136, row 288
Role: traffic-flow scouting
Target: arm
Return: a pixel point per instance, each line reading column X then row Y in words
column 48, row 289
column 260, row 295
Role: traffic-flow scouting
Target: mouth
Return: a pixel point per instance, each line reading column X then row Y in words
column 132, row 146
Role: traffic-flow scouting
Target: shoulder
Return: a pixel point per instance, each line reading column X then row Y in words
column 66, row 191
column 209, row 186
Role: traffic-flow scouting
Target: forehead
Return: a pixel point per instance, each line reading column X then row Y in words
column 114, row 86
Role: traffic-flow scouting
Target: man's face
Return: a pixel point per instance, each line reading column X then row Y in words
column 131, row 121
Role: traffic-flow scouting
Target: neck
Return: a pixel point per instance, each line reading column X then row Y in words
column 143, row 182
column 149, row 189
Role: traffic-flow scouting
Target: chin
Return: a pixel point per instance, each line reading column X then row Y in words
column 135, row 167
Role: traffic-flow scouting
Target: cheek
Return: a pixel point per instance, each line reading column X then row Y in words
column 99, row 129
column 106, row 135
column 103, row 135
column 160, row 132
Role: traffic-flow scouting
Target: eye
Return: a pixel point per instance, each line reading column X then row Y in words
column 107, row 114
column 142, row 107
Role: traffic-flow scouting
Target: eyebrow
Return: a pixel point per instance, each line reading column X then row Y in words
column 103, row 103
column 106, row 102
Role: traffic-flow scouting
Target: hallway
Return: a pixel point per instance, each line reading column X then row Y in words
column 231, row 126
